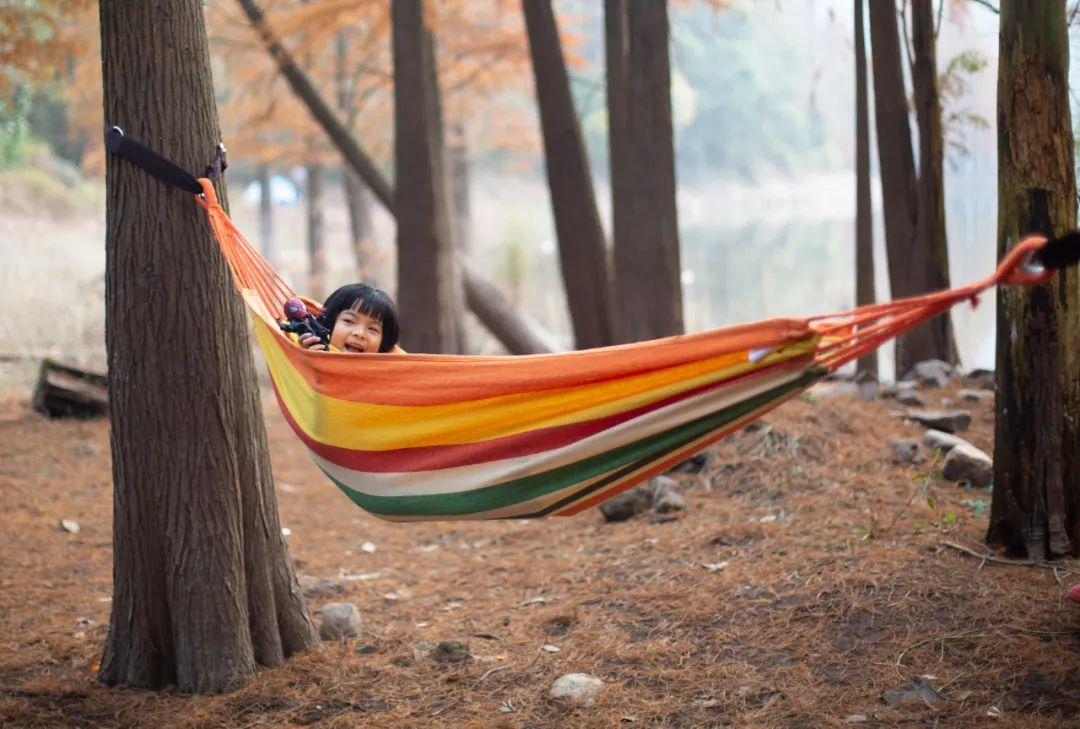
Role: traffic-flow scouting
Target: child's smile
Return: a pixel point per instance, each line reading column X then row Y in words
column 356, row 332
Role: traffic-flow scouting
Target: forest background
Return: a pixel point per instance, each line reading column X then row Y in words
column 763, row 109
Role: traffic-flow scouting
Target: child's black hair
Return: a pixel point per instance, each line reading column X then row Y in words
column 367, row 300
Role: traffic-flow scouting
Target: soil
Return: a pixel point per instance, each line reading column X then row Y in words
column 808, row 584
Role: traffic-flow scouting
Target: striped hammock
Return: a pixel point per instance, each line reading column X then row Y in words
column 412, row 437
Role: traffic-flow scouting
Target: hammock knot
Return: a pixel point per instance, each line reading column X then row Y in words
column 208, row 197
column 974, row 301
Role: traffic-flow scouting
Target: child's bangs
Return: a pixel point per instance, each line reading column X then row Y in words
column 377, row 307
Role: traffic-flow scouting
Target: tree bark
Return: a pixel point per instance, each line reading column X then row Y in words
column 615, row 51
column 930, row 236
column 1036, row 503
column 315, row 232
column 266, row 215
column 582, row 253
column 355, row 156
column 203, row 584
column 648, row 286
column 907, row 262
column 864, row 229
column 425, row 254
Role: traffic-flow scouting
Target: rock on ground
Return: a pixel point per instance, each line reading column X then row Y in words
column 939, row 440
column 906, row 450
column 450, row 651
column 965, row 462
column 576, row 689
column 950, row 421
column 339, row 620
column 930, row 373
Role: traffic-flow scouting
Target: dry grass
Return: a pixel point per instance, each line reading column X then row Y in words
column 819, row 611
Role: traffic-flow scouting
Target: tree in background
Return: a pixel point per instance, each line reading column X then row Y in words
column 648, row 287
column 582, row 251
column 518, row 334
column 203, row 585
column 427, row 272
column 1036, row 502
column 864, row 231
column 915, row 253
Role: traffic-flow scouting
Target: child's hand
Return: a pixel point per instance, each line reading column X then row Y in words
column 310, row 341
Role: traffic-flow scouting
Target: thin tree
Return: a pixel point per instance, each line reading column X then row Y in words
column 910, row 261
column 316, row 247
column 203, row 587
column 266, row 214
column 864, row 233
column 648, row 286
column 618, row 92
column 426, row 270
column 1036, row 502
column 930, row 235
column 582, row 253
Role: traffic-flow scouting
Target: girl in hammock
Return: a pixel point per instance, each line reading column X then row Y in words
column 361, row 319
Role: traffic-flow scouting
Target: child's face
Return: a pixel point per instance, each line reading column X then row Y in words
column 356, row 333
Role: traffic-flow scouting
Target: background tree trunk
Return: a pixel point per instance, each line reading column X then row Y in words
column 648, row 286
column 266, row 215
column 316, row 287
column 457, row 170
column 203, row 585
column 1036, row 502
column 515, row 332
column 930, row 236
column 864, row 228
column 426, row 296
column 582, row 252
column 898, row 183
column 615, row 48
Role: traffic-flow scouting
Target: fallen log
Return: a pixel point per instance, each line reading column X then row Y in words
column 63, row 391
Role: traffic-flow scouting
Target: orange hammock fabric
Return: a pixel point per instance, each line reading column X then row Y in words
column 427, row 436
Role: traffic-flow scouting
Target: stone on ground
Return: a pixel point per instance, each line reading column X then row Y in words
column 930, row 373
column 949, row 421
column 339, row 620
column 939, row 440
column 906, row 450
column 576, row 689
column 450, row 651
column 965, row 462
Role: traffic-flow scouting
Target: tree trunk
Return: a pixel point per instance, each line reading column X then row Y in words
column 266, row 215
column 360, row 225
column 1036, row 502
column 864, row 228
column 359, row 207
column 425, row 255
column 615, row 50
column 203, row 584
column 897, row 170
column 582, row 253
column 315, row 238
column 648, row 286
column 930, row 237
column 492, row 308
column 457, row 170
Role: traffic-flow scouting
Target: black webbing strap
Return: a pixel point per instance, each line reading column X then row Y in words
column 1060, row 252
column 157, row 166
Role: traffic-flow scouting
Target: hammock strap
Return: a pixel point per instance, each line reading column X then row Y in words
column 158, row 166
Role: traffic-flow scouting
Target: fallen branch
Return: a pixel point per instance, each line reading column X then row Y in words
column 1005, row 560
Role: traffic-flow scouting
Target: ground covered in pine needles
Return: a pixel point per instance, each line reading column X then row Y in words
column 810, row 583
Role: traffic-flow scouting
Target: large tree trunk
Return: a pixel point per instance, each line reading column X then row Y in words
column 203, row 585
column 864, row 228
column 930, row 237
column 266, row 215
column 582, row 253
column 426, row 296
column 484, row 298
column 1036, row 503
column 898, row 182
column 648, row 286
column 315, row 232
column 615, row 52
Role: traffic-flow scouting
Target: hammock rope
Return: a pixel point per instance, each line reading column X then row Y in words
column 412, row 437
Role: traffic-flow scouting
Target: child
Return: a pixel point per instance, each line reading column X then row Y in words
column 361, row 319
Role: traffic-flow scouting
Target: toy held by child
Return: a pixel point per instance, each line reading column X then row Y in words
column 357, row 319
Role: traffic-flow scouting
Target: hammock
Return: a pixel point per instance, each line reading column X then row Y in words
column 416, row 437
